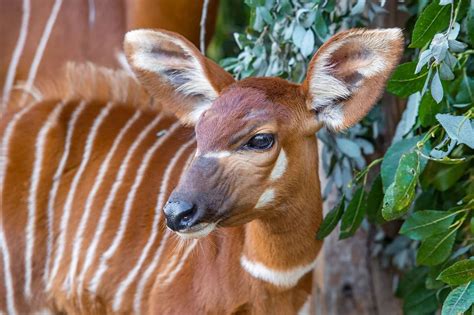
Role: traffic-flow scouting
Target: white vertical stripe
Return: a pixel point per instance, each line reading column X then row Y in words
column 111, row 197
column 56, row 182
column 20, row 45
column 155, row 226
column 72, row 191
column 6, row 142
column 79, row 236
column 137, row 300
column 3, row 242
column 33, row 194
column 7, row 273
column 41, row 47
column 170, row 276
column 109, row 253
column 146, row 276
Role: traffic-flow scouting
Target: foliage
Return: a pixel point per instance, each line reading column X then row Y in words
column 427, row 174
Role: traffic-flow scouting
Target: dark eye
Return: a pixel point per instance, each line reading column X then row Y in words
column 261, row 141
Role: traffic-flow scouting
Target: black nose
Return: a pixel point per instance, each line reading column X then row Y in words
column 180, row 214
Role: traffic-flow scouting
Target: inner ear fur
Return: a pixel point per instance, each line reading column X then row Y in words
column 348, row 73
column 175, row 72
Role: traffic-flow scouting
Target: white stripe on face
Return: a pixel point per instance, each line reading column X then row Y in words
column 266, row 198
column 280, row 166
column 217, row 154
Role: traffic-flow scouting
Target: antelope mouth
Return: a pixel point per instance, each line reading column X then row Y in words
column 197, row 231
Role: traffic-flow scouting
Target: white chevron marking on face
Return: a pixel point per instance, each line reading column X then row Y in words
column 266, row 198
column 280, row 166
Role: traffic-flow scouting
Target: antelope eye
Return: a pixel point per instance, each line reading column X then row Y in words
column 261, row 141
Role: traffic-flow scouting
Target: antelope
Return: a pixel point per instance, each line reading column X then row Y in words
column 200, row 195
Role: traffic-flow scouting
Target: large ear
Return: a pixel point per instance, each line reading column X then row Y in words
column 347, row 75
column 175, row 72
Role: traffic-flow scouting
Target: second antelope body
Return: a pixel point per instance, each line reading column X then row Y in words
column 91, row 176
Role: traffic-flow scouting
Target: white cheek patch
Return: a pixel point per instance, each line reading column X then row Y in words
column 266, row 198
column 280, row 166
column 217, row 154
column 281, row 278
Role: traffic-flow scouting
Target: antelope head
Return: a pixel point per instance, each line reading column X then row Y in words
column 256, row 145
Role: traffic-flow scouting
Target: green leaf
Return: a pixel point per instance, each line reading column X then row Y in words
column 470, row 24
column 401, row 192
column 436, row 248
column 374, row 202
column 352, row 217
column 433, row 19
column 411, row 281
column 465, row 95
column 405, row 82
column 420, row 301
column 437, row 88
column 308, row 43
column 459, row 128
column 459, row 300
column 459, row 273
column 392, row 158
column 265, row 14
column 445, row 176
column 298, row 35
column 330, row 221
column 422, row 224
column 428, row 110
column 320, row 26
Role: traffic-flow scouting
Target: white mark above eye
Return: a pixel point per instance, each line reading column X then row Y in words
column 217, row 154
column 280, row 166
column 267, row 197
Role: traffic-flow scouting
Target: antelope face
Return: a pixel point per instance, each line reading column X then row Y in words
column 255, row 138
column 243, row 148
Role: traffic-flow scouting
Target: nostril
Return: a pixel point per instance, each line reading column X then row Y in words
column 187, row 215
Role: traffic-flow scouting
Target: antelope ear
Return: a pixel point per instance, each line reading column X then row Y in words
column 347, row 74
column 175, row 72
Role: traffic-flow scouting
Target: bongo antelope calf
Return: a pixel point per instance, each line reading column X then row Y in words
column 91, row 179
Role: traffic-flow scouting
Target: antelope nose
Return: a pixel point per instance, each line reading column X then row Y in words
column 180, row 214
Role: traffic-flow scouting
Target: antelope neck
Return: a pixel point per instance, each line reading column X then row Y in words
column 282, row 248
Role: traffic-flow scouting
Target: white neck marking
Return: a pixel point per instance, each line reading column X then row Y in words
column 281, row 278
